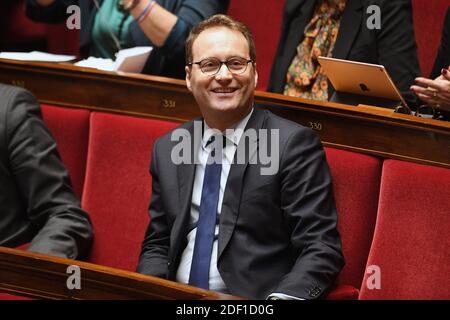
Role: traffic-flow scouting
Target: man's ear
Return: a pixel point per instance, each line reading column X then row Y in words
column 188, row 78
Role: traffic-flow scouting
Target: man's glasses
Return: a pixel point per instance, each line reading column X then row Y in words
column 211, row 66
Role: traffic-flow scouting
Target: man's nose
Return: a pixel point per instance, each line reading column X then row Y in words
column 223, row 73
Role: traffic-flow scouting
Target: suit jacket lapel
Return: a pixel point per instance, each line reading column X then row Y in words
column 186, row 175
column 233, row 188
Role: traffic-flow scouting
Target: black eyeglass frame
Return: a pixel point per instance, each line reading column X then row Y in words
column 247, row 61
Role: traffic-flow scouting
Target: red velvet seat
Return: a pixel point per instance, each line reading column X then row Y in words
column 356, row 181
column 118, row 185
column 428, row 20
column 264, row 20
column 411, row 244
column 70, row 128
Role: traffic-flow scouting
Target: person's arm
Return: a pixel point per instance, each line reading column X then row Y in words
column 159, row 23
column 63, row 228
column 309, row 207
column 435, row 93
column 48, row 11
column 396, row 45
column 169, row 30
column 153, row 259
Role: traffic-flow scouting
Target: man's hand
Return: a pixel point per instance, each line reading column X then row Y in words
column 435, row 93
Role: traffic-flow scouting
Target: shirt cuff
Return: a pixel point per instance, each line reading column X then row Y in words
column 282, row 296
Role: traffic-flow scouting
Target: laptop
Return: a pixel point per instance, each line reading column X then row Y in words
column 362, row 83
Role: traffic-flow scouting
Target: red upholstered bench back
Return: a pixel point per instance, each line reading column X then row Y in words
column 356, row 182
column 21, row 28
column 428, row 19
column 264, row 20
column 411, row 244
column 118, row 185
column 70, row 128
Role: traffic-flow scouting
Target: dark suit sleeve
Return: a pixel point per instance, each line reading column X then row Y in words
column 396, row 45
column 155, row 247
column 309, row 206
column 63, row 229
column 168, row 60
column 54, row 13
column 443, row 56
column 189, row 13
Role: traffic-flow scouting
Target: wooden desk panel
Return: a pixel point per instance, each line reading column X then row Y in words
column 365, row 129
column 42, row 276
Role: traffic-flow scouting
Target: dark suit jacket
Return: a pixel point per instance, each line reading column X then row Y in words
column 36, row 199
column 393, row 45
column 443, row 56
column 167, row 60
column 277, row 232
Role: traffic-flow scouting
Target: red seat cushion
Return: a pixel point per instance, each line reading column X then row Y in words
column 118, row 185
column 411, row 244
column 356, row 181
column 70, row 128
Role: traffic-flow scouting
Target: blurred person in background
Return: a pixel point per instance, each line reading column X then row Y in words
column 339, row 29
column 435, row 91
column 108, row 26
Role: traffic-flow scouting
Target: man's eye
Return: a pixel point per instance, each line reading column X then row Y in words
column 209, row 64
column 235, row 62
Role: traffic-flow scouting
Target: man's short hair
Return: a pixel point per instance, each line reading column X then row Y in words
column 220, row 20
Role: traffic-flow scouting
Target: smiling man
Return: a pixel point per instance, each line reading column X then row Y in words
column 217, row 221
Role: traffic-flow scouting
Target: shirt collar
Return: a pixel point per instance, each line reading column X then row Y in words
column 232, row 134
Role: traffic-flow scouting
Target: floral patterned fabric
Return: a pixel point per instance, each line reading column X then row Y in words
column 305, row 77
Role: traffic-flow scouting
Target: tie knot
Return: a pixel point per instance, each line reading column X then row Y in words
column 216, row 144
column 213, row 139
